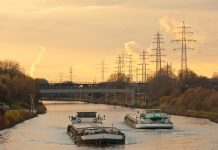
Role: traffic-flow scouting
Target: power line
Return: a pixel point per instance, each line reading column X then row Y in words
column 158, row 40
column 184, row 39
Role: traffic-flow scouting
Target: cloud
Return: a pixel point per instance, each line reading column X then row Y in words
column 37, row 61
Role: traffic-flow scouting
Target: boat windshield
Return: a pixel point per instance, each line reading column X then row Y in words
column 152, row 111
column 86, row 114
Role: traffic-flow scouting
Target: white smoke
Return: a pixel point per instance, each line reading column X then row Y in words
column 133, row 48
column 168, row 25
column 37, row 61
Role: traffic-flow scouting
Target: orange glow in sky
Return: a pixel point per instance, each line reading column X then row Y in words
column 48, row 36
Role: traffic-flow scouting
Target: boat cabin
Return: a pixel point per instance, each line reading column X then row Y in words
column 86, row 117
column 158, row 111
column 86, row 114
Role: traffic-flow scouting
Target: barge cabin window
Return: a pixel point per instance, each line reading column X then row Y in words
column 86, row 114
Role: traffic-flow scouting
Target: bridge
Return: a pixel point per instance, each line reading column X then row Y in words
column 86, row 92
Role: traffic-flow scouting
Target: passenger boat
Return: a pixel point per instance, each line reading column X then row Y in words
column 149, row 119
column 87, row 128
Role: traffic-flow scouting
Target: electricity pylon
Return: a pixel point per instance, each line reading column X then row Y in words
column 137, row 75
column 144, row 66
column 103, row 69
column 158, row 40
column 130, row 66
column 71, row 74
column 119, row 65
column 184, row 40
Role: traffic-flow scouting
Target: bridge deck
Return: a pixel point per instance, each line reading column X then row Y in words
column 50, row 91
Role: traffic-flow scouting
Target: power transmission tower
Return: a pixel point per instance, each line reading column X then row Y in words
column 144, row 66
column 130, row 61
column 137, row 74
column 158, row 40
column 102, row 68
column 61, row 77
column 71, row 73
column 184, row 40
column 119, row 65
column 123, row 57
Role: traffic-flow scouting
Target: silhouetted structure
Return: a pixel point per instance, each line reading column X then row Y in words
column 184, row 39
column 71, row 72
column 158, row 40
column 130, row 61
column 144, row 66
column 102, row 69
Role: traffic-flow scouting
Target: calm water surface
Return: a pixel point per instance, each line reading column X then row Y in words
column 48, row 131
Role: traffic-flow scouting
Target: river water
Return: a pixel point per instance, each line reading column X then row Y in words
column 48, row 131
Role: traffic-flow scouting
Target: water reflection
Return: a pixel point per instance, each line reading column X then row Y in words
column 49, row 131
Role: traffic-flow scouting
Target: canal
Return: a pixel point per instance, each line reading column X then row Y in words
column 48, row 131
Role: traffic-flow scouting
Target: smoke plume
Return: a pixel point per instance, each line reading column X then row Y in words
column 168, row 25
column 133, row 48
column 37, row 61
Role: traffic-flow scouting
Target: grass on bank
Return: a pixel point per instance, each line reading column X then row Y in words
column 12, row 118
column 16, row 115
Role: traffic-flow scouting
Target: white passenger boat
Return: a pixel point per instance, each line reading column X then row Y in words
column 149, row 119
column 86, row 128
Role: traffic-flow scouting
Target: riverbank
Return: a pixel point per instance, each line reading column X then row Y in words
column 41, row 109
column 166, row 104
column 194, row 113
column 14, row 117
column 173, row 110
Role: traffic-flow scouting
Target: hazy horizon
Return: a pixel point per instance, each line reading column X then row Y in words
column 48, row 36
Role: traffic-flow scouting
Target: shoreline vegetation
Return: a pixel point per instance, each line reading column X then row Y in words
column 193, row 95
column 212, row 116
column 10, row 118
column 18, row 94
column 195, row 102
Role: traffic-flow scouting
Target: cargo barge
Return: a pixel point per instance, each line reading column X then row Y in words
column 149, row 119
column 87, row 128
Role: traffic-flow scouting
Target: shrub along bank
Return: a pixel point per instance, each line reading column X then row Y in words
column 11, row 118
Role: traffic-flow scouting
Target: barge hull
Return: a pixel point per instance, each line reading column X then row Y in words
column 99, row 141
column 154, row 126
column 96, row 139
column 133, row 124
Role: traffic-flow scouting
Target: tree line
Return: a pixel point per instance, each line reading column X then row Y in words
column 16, row 88
column 196, row 92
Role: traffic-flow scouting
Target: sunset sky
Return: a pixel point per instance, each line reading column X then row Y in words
column 48, row 36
